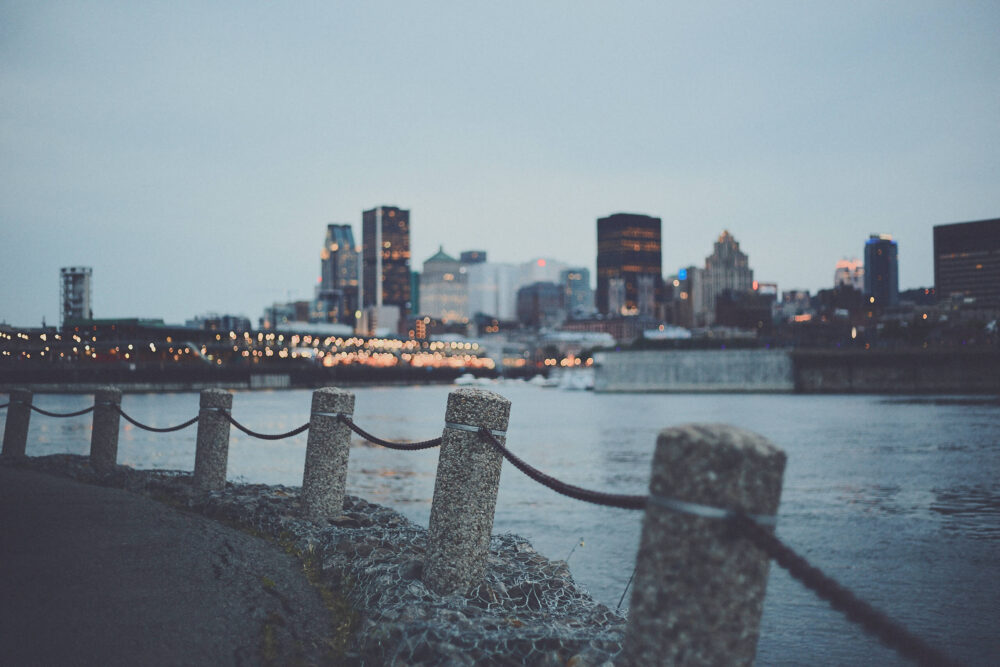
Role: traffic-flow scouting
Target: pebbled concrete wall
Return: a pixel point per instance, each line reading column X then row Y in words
column 694, row 371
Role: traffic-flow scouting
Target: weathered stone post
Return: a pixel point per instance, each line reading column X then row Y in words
column 327, row 450
column 699, row 590
column 212, row 449
column 104, row 436
column 15, row 432
column 465, row 491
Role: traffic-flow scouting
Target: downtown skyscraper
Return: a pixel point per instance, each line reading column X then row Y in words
column 629, row 264
column 337, row 292
column 881, row 270
column 385, row 240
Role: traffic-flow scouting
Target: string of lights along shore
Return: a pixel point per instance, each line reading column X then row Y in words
column 370, row 307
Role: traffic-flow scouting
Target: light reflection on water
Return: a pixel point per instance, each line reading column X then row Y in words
column 898, row 499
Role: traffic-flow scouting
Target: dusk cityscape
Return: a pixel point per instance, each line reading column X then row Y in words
column 500, row 334
column 372, row 307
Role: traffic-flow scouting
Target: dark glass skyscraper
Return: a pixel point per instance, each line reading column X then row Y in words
column 967, row 261
column 337, row 294
column 385, row 238
column 629, row 264
column 881, row 270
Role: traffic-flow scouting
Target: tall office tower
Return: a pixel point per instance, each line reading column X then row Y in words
column 629, row 264
column 444, row 288
column 727, row 268
column 578, row 297
column 850, row 272
column 337, row 292
column 967, row 261
column 74, row 293
column 385, row 237
column 881, row 270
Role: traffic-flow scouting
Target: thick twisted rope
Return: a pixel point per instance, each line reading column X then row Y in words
column 264, row 436
column 579, row 493
column 403, row 446
column 62, row 414
column 856, row 610
column 154, row 429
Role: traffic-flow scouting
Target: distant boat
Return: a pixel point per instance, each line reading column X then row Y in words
column 542, row 381
column 467, row 379
column 578, row 379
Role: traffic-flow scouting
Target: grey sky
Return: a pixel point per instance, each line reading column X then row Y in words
column 192, row 153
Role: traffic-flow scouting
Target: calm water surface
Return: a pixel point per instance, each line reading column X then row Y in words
column 899, row 499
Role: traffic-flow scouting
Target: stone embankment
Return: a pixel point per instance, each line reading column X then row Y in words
column 974, row 371
column 526, row 610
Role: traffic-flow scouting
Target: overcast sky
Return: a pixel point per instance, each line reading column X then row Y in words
column 192, row 153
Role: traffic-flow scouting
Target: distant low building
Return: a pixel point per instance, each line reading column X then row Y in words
column 541, row 305
column 578, row 297
column 217, row 322
column 745, row 310
column 472, row 256
column 850, row 272
column 281, row 314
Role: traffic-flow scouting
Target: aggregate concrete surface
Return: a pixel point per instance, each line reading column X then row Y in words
column 98, row 576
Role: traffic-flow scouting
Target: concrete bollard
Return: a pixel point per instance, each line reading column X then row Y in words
column 104, row 435
column 465, row 491
column 212, row 450
column 324, row 479
column 15, row 432
column 699, row 591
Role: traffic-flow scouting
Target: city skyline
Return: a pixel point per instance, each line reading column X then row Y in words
column 193, row 160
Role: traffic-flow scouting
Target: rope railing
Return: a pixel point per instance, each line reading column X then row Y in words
column 753, row 528
column 62, row 415
column 264, row 436
column 843, row 600
column 402, row 446
column 576, row 492
column 155, row 429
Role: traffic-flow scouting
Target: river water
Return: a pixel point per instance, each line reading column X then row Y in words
column 897, row 498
